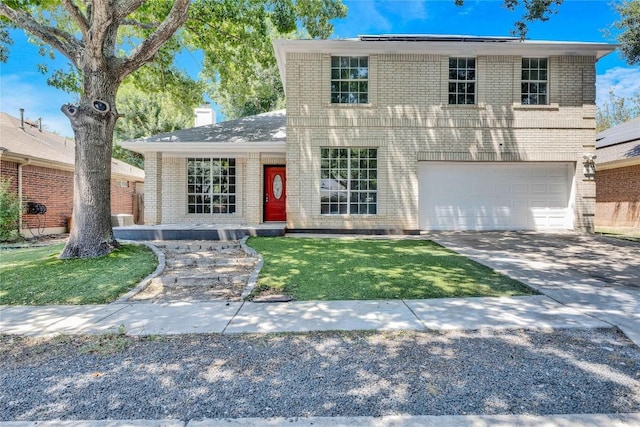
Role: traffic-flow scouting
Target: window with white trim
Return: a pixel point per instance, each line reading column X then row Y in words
column 349, row 181
column 462, row 81
column 534, row 81
column 349, row 79
column 211, row 186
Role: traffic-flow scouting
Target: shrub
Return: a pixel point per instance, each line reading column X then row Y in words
column 10, row 207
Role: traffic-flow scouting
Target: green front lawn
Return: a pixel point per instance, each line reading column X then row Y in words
column 35, row 276
column 344, row 269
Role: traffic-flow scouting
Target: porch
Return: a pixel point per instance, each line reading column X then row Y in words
column 198, row 232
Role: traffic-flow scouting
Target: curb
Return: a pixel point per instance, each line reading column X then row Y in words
column 144, row 282
column 253, row 278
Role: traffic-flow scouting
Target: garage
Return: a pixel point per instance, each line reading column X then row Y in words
column 495, row 196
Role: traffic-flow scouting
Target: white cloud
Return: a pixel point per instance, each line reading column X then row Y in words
column 625, row 83
column 38, row 101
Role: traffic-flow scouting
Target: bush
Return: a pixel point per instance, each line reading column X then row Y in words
column 10, row 207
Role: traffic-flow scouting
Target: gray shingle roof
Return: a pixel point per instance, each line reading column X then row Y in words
column 620, row 142
column 266, row 127
column 49, row 147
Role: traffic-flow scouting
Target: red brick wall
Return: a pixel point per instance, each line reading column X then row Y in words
column 122, row 197
column 10, row 170
column 54, row 189
column 618, row 197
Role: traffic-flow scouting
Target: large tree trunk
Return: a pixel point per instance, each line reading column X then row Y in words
column 91, row 232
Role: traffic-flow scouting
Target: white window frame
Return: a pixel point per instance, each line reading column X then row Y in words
column 349, row 80
column 462, row 82
column 535, row 77
column 349, row 185
column 212, row 188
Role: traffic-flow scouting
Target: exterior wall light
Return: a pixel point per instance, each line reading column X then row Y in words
column 589, row 165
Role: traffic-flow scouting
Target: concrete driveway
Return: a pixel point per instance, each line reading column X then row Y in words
column 600, row 276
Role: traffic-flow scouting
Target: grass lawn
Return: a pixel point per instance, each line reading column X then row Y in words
column 35, row 276
column 342, row 269
column 620, row 233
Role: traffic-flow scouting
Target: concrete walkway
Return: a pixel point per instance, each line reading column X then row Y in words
column 238, row 317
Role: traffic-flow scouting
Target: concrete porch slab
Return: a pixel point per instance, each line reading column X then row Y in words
column 198, row 232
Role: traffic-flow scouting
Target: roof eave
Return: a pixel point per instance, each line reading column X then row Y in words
column 186, row 148
column 359, row 47
column 620, row 163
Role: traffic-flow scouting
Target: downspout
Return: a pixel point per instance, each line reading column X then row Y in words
column 20, row 165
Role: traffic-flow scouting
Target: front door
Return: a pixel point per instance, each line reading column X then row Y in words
column 275, row 186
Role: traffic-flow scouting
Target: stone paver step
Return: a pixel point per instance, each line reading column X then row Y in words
column 189, row 262
column 178, row 281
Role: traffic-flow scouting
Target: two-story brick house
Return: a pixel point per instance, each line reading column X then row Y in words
column 398, row 133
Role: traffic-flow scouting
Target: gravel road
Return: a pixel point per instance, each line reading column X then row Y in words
column 191, row 377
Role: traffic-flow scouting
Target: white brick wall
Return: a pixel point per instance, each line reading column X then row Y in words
column 408, row 119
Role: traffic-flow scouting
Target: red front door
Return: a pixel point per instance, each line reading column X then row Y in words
column 275, row 200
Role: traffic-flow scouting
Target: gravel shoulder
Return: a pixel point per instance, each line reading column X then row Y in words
column 190, row 377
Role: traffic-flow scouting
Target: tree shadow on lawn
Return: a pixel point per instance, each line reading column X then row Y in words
column 332, row 269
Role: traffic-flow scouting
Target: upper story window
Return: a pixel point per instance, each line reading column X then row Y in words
column 462, row 81
column 349, row 80
column 211, row 186
column 534, row 81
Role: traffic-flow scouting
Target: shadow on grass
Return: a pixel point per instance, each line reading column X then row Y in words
column 332, row 269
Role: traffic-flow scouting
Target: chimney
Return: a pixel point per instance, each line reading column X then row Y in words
column 205, row 115
column 22, row 118
column 40, row 124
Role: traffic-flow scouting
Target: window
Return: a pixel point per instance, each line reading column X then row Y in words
column 348, row 181
column 211, row 186
column 349, row 80
column 462, row 81
column 534, row 81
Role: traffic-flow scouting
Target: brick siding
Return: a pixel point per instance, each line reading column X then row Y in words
column 618, row 197
column 409, row 120
column 54, row 189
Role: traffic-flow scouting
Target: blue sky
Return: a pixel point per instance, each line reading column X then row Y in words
column 22, row 86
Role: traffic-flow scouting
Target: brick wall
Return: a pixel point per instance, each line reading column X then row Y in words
column 618, row 197
column 122, row 194
column 54, row 189
column 409, row 120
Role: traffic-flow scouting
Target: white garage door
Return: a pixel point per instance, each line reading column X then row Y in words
column 495, row 196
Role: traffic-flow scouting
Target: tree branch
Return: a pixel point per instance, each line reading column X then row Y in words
column 149, row 47
column 133, row 23
column 63, row 42
column 126, row 7
column 77, row 16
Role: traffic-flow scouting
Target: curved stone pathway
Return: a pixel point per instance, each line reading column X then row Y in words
column 199, row 271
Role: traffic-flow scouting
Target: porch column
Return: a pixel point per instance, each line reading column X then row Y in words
column 153, row 188
column 253, row 190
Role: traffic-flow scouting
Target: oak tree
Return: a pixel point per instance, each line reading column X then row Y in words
column 107, row 40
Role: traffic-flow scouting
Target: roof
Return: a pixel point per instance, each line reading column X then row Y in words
column 262, row 132
column 439, row 44
column 619, row 146
column 47, row 148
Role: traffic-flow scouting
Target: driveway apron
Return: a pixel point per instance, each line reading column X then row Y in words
column 599, row 276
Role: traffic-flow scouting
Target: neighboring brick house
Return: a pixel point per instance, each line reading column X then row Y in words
column 396, row 134
column 40, row 166
column 618, row 176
